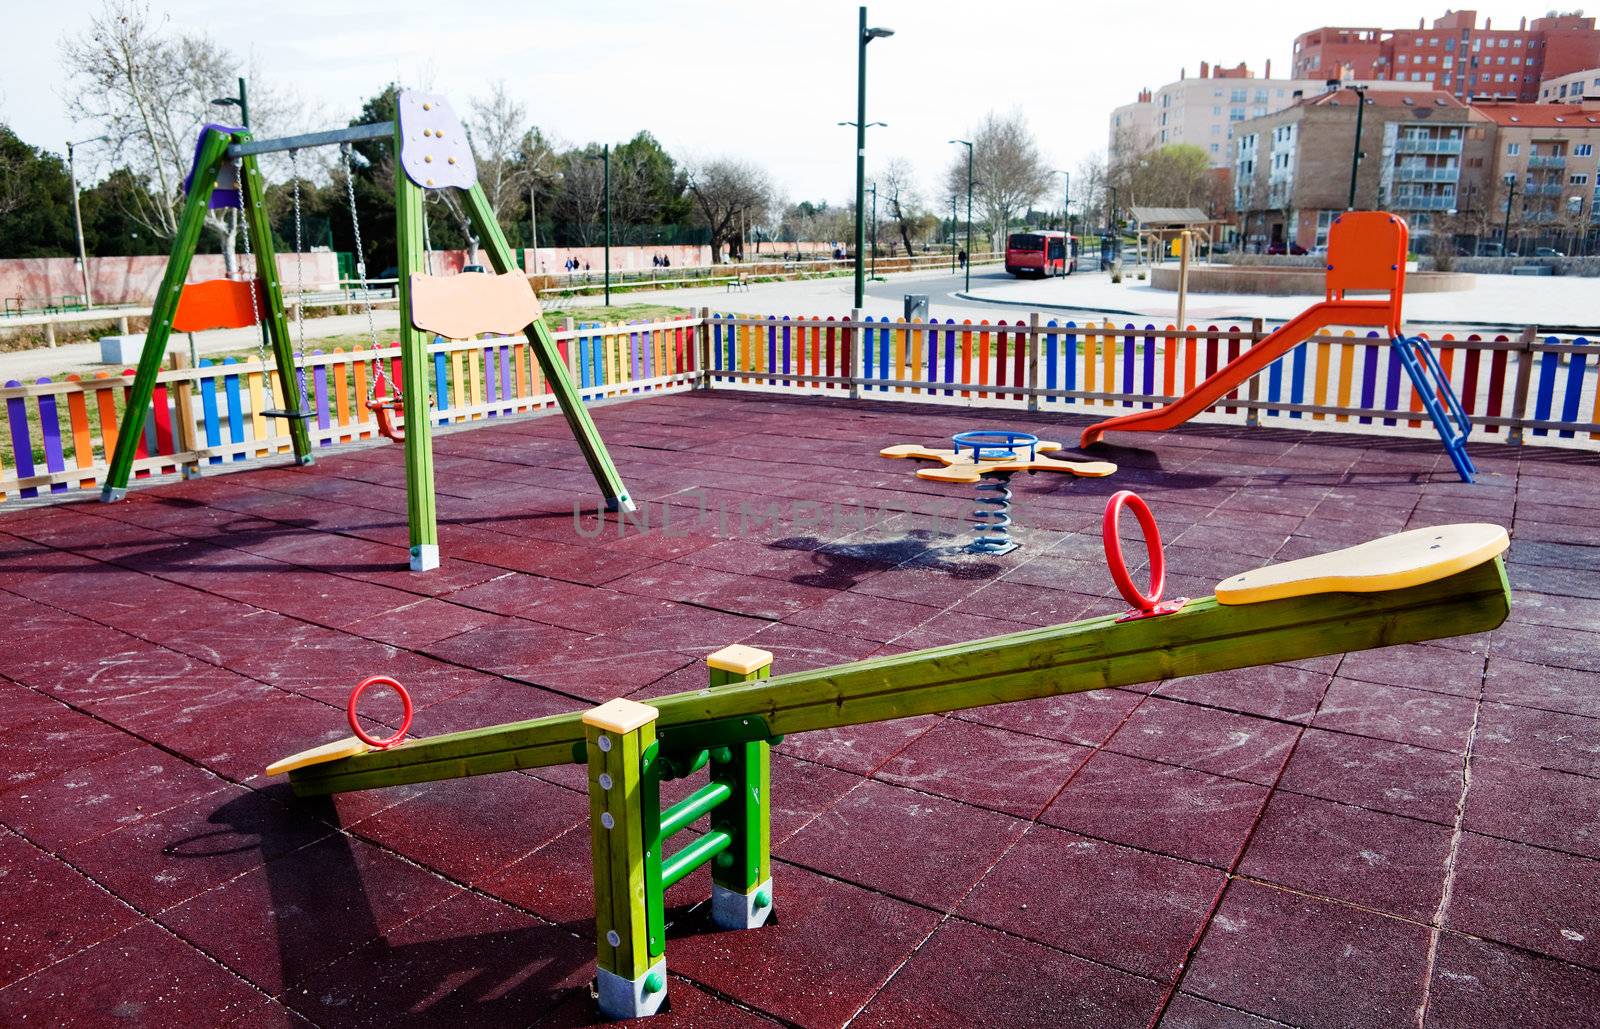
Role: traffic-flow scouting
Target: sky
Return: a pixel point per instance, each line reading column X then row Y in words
column 762, row 81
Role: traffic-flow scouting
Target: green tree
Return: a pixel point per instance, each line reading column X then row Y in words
column 109, row 230
column 35, row 201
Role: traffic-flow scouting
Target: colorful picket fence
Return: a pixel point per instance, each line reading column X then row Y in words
column 1526, row 388
column 57, row 434
column 1511, row 386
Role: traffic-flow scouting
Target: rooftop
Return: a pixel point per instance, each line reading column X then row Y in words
column 1371, row 839
column 1539, row 116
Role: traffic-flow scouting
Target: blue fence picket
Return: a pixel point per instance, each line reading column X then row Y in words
column 1150, row 363
column 1052, row 359
column 1574, row 393
column 1545, row 389
column 210, row 423
column 1069, row 357
column 1391, row 385
column 232, row 390
column 1129, row 352
column 1369, row 377
column 1297, row 378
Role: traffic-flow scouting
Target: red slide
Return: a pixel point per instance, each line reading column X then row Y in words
column 1240, row 370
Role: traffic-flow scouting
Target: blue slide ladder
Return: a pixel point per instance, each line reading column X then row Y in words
column 1431, row 383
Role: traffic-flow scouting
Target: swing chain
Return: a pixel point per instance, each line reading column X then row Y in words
column 361, row 270
column 299, row 281
column 246, row 197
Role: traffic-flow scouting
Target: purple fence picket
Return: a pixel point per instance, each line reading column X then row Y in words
column 50, row 437
column 21, row 445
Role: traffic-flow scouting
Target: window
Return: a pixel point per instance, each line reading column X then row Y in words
column 1513, row 149
column 1214, row 148
column 1217, row 111
column 1515, row 59
column 1583, row 150
column 1402, row 58
column 1416, row 76
column 1578, row 179
column 1238, row 96
column 1236, row 114
column 1433, row 59
column 1449, row 61
column 1430, row 76
column 1477, row 45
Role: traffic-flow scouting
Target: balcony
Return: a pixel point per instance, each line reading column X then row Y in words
column 1424, row 202
column 1405, row 145
column 1416, row 173
column 1545, row 189
column 1547, row 161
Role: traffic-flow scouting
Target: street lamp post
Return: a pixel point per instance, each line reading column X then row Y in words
column 952, row 232
column 1355, row 152
column 77, row 216
column 242, row 102
column 864, row 36
column 1066, row 198
column 605, row 158
column 968, row 145
column 1505, row 227
column 873, row 189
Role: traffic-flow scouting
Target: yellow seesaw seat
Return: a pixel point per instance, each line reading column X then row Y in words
column 350, row 746
column 1391, row 563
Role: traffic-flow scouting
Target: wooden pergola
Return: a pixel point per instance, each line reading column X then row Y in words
column 1157, row 227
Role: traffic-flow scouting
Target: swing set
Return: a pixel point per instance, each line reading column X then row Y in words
column 433, row 154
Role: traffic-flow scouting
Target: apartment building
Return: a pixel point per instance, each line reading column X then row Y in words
column 1292, row 168
column 1203, row 111
column 1545, row 163
column 1455, row 55
column 1572, row 87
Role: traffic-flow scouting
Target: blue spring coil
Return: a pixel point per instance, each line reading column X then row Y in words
column 991, row 519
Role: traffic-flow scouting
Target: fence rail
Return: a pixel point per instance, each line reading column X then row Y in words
column 1529, row 388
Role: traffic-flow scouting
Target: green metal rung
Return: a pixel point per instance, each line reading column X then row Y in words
column 689, row 810
column 693, row 856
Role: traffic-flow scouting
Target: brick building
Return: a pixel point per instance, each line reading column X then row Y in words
column 1549, row 154
column 1454, row 55
column 1203, row 111
column 1292, row 167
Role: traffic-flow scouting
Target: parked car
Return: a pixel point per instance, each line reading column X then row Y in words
column 1279, row 247
column 1548, row 252
column 1491, row 250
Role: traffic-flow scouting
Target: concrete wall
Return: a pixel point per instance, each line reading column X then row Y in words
column 133, row 280
column 1583, row 267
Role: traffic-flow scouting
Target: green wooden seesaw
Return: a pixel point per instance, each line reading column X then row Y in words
column 1417, row 585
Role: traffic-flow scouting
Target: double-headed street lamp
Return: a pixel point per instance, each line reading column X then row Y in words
column 241, row 101
column 968, row 145
column 77, row 215
column 864, row 35
column 605, row 157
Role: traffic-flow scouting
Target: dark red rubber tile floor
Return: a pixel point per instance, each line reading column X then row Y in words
column 1401, row 837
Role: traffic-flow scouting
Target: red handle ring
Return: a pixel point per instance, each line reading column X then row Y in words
column 355, row 725
column 1152, row 542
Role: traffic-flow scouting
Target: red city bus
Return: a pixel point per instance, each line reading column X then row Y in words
column 1048, row 252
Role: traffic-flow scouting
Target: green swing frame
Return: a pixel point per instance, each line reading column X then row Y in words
column 217, row 146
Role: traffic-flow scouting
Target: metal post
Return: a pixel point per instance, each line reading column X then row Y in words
column 244, row 104
column 1505, row 228
column 968, row 145
column 421, row 503
column 605, row 155
column 952, row 233
column 861, row 152
column 873, row 189
column 1355, row 153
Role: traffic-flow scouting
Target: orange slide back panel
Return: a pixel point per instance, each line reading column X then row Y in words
column 1366, row 251
column 216, row 304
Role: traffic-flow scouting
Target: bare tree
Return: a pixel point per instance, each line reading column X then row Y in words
column 1007, row 171
column 897, row 183
column 498, row 129
column 728, row 194
column 1089, row 190
column 148, row 91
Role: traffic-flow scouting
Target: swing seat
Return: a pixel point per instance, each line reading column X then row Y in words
column 386, row 405
column 218, row 304
column 473, row 303
column 278, row 412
